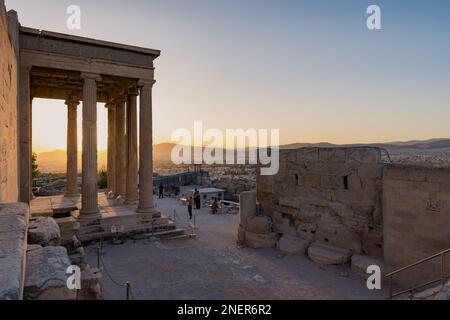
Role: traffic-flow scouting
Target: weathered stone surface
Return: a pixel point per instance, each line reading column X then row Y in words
column 259, row 224
column 241, row 236
column 307, row 231
column 44, row 231
column 13, row 246
column 46, row 277
column 326, row 255
column 259, row 241
column 360, row 264
column 90, row 284
column 8, row 109
column 247, row 206
column 293, row 245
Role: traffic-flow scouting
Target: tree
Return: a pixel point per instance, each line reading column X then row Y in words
column 102, row 179
column 35, row 173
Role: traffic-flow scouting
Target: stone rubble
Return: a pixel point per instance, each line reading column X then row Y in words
column 44, row 231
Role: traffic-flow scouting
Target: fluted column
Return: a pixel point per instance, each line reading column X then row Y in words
column 111, row 147
column 89, row 198
column 146, row 204
column 121, row 150
column 72, row 148
column 132, row 163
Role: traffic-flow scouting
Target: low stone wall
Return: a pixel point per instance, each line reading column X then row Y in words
column 416, row 207
column 13, row 247
column 329, row 197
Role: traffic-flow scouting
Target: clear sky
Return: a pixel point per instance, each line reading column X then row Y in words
column 310, row 68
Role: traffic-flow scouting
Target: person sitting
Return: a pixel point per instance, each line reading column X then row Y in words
column 215, row 206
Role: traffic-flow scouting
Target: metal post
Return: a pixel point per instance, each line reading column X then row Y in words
column 98, row 257
column 390, row 288
column 127, row 284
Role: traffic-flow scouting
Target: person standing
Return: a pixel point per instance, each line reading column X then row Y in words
column 190, row 203
column 161, row 191
column 197, row 199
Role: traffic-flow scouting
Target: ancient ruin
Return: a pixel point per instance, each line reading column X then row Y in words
column 321, row 222
column 344, row 205
column 43, row 64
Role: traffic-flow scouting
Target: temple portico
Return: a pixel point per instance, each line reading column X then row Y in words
column 84, row 72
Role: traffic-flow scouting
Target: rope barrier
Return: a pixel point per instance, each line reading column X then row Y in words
column 127, row 285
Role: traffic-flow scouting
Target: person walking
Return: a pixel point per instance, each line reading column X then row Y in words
column 190, row 204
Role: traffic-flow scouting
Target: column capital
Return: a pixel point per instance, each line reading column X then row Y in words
column 91, row 76
column 133, row 91
column 146, row 83
column 25, row 67
column 119, row 100
column 72, row 102
column 110, row 105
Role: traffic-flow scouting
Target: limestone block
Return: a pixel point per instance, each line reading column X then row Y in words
column 438, row 176
column 372, row 242
column 259, row 241
column 247, row 207
column 373, row 171
column 307, row 231
column 360, row 263
column 44, row 231
column 13, row 246
column 333, row 154
column 259, row 224
column 90, row 284
column 394, row 172
column 364, row 155
column 293, row 245
column 326, row 255
column 332, row 182
column 46, row 277
column 307, row 154
column 241, row 236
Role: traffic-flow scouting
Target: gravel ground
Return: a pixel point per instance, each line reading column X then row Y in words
column 213, row 267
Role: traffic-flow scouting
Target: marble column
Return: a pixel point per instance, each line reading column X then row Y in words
column 24, row 114
column 72, row 148
column 89, row 198
column 111, row 147
column 146, row 202
column 132, row 196
column 121, row 149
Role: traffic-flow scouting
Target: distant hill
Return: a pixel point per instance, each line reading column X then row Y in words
column 431, row 144
column 55, row 161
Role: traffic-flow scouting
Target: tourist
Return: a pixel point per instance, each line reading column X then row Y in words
column 215, row 206
column 190, row 203
column 161, row 191
column 197, row 199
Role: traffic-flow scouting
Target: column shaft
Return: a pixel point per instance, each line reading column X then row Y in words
column 89, row 201
column 132, row 163
column 72, row 149
column 146, row 203
column 121, row 159
column 111, row 147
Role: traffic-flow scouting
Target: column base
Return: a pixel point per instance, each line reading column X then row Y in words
column 73, row 195
column 131, row 202
column 90, row 214
column 149, row 210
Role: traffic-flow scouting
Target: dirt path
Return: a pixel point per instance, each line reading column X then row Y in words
column 213, row 267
